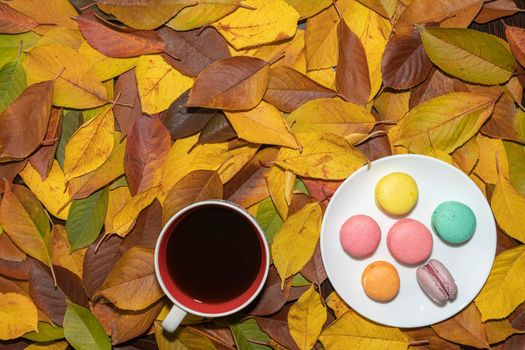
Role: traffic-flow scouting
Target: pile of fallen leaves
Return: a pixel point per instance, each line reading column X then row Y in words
column 116, row 114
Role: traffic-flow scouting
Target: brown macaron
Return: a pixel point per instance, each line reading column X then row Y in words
column 380, row 281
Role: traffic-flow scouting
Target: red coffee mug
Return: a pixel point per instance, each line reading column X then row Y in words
column 167, row 265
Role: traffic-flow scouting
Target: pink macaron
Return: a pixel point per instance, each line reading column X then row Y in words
column 436, row 281
column 409, row 241
column 360, row 236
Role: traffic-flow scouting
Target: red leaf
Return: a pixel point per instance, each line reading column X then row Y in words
column 405, row 63
column 14, row 22
column 42, row 160
column 289, row 89
column 195, row 49
column 23, row 124
column 126, row 89
column 117, row 42
column 352, row 77
column 147, row 147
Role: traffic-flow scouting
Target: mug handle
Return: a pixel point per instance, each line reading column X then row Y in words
column 174, row 318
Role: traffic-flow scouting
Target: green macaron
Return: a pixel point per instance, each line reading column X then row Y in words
column 454, row 222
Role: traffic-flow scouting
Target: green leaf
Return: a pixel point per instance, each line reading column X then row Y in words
column 300, row 186
column 70, row 123
column 268, row 218
column 83, row 331
column 12, row 83
column 9, row 44
column 469, row 55
column 85, row 219
column 298, row 280
column 120, row 182
column 248, row 330
column 516, row 157
column 46, row 333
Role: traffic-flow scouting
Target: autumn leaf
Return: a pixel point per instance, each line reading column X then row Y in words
column 503, row 123
column 19, row 315
column 445, row 122
column 132, row 284
column 337, row 304
column 235, row 83
column 267, row 21
column 294, row 243
column 244, row 332
column 385, row 8
column 486, row 167
column 61, row 254
column 306, row 318
column 45, row 333
column 308, row 8
column 496, row 9
column 43, row 159
column 203, row 13
column 13, row 82
column 55, row 13
column 280, row 184
column 325, row 156
column 499, row 330
column 82, row 329
column 14, row 22
column 469, row 55
column 503, row 291
column 23, row 124
column 181, row 339
column 106, row 67
column 321, row 41
column 354, row 332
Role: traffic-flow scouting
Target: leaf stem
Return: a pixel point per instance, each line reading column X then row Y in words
column 20, row 48
column 339, row 13
column 59, row 74
column 170, row 55
column 418, row 342
column 248, row 7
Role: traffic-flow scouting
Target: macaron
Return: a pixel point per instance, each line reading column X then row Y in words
column 409, row 241
column 396, row 193
column 454, row 222
column 380, row 281
column 360, row 236
column 436, row 281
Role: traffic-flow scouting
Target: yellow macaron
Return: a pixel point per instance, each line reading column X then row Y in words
column 397, row 193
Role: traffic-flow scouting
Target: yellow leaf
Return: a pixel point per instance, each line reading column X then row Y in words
column 325, row 77
column 373, row 31
column 61, row 251
column 294, row 243
column 508, row 206
column 116, row 201
column 132, row 284
column 323, row 156
column 204, row 13
column 505, row 287
column 270, row 20
column 55, row 345
column 308, row 8
column 499, row 330
column 125, row 219
column 263, row 124
column 467, row 155
column 19, row 316
column 306, row 319
column 332, row 115
column 182, row 160
column 52, row 191
column 321, row 41
column 106, row 67
column 392, row 105
column 486, row 165
column 57, row 12
column 280, row 185
column 159, row 83
column 90, row 146
column 385, row 8
column 445, row 122
column 337, row 304
column 182, row 339
column 71, row 38
column 77, row 86
column 351, row 331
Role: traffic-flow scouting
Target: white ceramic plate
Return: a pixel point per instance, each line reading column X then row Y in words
column 469, row 263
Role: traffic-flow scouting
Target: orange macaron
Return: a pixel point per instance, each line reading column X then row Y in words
column 380, row 281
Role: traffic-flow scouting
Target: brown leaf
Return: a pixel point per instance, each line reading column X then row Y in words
column 405, row 63
column 71, row 285
column 272, row 297
column 98, row 264
column 147, row 229
column 516, row 342
column 276, row 326
column 436, row 84
column 352, row 78
column 195, row 49
column 23, row 124
column 219, row 335
column 218, row 129
column 236, row 83
column 321, row 190
column 19, row 270
column 248, row 186
column 496, row 9
column 503, row 123
column 14, row 22
column 465, row 328
column 288, row 89
column 376, row 147
column 45, row 295
column 9, row 171
column 314, row 269
column 146, row 149
column 434, row 342
column 516, row 38
column 124, row 325
column 42, row 160
column 296, row 292
column 195, row 186
column 128, row 109
column 504, row 242
column 182, row 121
column 116, row 42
